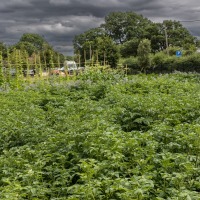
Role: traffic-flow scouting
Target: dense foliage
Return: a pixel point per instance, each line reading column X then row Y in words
column 144, row 50
column 128, row 29
column 162, row 63
column 101, row 136
column 31, row 45
column 123, row 26
column 95, row 47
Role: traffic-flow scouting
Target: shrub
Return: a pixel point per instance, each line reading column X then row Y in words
column 132, row 64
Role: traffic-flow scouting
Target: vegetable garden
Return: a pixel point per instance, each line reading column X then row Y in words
column 101, row 135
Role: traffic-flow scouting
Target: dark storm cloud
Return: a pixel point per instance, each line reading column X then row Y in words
column 59, row 20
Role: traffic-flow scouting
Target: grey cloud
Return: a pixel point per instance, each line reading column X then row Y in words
column 60, row 20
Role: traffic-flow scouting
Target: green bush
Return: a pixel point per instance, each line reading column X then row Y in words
column 161, row 63
column 132, row 64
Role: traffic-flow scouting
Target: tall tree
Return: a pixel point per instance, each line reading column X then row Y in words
column 31, row 42
column 124, row 26
column 129, row 48
column 84, row 44
column 88, row 36
column 156, row 34
column 107, row 51
column 35, row 39
column 144, row 50
column 35, row 44
column 127, row 29
column 25, row 46
column 173, row 32
column 177, row 34
column 94, row 46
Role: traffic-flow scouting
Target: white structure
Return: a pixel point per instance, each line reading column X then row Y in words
column 70, row 65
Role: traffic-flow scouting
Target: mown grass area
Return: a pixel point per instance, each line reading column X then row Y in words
column 102, row 136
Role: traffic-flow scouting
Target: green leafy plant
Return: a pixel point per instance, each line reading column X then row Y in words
column 104, row 135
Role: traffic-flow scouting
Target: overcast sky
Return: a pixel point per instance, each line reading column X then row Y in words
column 59, row 20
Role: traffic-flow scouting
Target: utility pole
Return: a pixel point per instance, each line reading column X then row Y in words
column 79, row 59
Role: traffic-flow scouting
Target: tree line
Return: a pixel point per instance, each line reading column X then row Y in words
column 31, row 49
column 125, row 37
column 123, row 34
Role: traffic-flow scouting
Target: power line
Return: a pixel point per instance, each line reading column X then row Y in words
column 196, row 20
